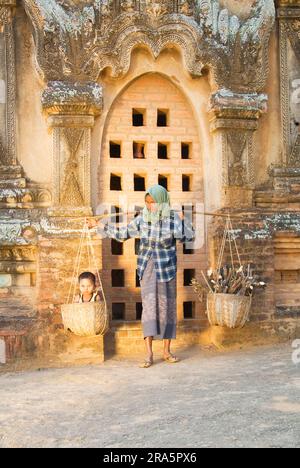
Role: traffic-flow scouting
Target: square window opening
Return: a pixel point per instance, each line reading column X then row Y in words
column 189, row 310
column 118, row 278
column 138, row 117
column 139, row 151
column 115, row 182
column 186, row 183
column 117, row 248
column 139, row 310
column 163, row 151
column 185, row 150
column 118, row 311
column 188, row 275
column 114, row 149
column 139, row 183
column 162, row 117
column 163, row 181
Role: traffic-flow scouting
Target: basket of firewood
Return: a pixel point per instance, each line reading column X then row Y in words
column 229, row 295
column 230, row 288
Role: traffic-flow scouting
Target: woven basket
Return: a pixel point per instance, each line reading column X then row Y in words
column 85, row 319
column 228, row 310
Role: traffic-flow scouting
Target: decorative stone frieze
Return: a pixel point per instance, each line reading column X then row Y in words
column 79, row 42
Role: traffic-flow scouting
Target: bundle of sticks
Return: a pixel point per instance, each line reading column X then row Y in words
column 228, row 280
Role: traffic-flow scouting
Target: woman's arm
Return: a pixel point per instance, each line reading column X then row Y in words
column 121, row 234
column 183, row 229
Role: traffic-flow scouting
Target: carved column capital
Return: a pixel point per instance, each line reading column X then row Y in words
column 235, row 110
column 72, row 99
column 234, row 119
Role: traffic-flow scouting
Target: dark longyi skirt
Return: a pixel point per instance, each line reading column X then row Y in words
column 159, row 317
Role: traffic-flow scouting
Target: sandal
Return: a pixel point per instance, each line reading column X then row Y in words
column 171, row 359
column 146, row 364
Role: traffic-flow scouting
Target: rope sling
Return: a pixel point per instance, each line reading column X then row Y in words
column 85, row 318
column 230, row 310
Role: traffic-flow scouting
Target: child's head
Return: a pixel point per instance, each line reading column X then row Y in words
column 87, row 282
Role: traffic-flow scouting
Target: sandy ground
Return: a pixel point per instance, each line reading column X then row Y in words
column 238, row 399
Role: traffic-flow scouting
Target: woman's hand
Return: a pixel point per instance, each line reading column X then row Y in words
column 91, row 223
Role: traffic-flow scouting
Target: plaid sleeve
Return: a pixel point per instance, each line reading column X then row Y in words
column 183, row 229
column 124, row 233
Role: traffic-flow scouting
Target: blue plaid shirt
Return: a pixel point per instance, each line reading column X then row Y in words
column 157, row 240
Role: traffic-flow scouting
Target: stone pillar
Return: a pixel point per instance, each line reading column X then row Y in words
column 71, row 110
column 287, row 174
column 10, row 171
column 234, row 120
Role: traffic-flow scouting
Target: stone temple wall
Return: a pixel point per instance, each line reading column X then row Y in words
column 216, row 84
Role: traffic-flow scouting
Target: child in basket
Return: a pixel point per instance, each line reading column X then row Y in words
column 87, row 286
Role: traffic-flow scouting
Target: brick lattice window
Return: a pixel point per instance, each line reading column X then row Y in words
column 188, row 309
column 187, row 251
column 139, row 151
column 150, row 137
column 188, row 275
column 139, row 183
column 185, row 150
column 163, row 151
column 118, row 278
column 139, row 310
column 114, row 150
column 118, row 310
column 162, row 117
column 186, row 183
column 117, row 248
column 163, row 181
column 138, row 117
column 115, row 182
column 116, row 218
column 137, row 280
column 137, row 243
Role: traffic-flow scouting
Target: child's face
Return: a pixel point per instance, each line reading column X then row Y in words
column 86, row 286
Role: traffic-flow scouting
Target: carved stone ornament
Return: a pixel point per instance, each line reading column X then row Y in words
column 289, row 24
column 72, row 108
column 8, row 97
column 77, row 40
column 235, row 118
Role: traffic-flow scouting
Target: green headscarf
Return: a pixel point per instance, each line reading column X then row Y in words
column 162, row 198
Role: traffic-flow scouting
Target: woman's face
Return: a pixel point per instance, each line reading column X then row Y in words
column 151, row 204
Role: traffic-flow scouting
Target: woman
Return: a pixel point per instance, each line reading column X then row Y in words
column 158, row 228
